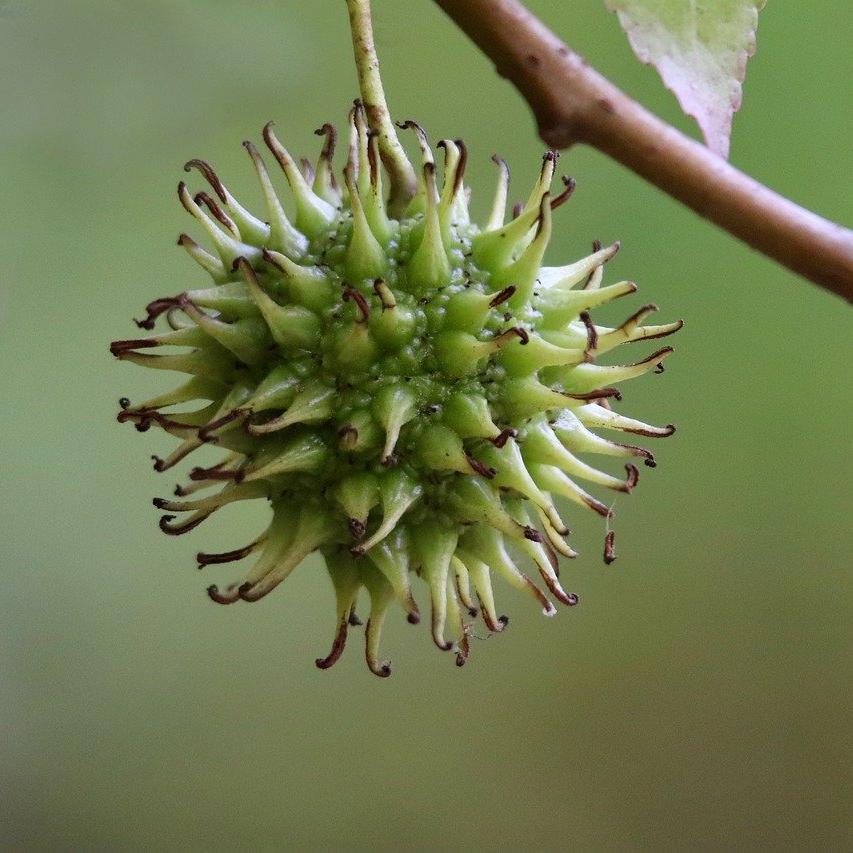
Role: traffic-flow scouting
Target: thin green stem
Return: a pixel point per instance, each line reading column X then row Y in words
column 404, row 182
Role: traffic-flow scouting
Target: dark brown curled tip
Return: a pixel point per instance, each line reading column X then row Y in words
column 118, row 348
column 569, row 185
column 460, row 168
column 532, row 534
column 413, row 618
column 179, row 529
column 210, row 176
column 609, row 548
column 124, row 403
column 327, row 130
column 203, row 198
column 600, row 394
column 516, row 209
column 480, row 468
column 353, row 618
column 224, row 557
column 154, row 309
column 338, row 645
column 522, row 334
column 360, row 301
column 591, row 333
column 632, row 478
column 502, row 296
column 382, row 670
column 503, row 437
column 227, row 597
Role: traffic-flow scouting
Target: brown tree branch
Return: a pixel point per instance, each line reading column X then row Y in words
column 574, row 103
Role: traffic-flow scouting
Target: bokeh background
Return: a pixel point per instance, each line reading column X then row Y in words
column 700, row 696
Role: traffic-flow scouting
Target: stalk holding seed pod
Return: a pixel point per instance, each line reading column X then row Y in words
column 409, row 391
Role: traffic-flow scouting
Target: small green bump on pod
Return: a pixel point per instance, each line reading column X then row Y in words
column 394, row 325
column 522, row 361
column 398, row 491
column 313, row 404
column 365, row 257
column 523, row 272
column 357, row 494
column 440, row 449
column 394, row 406
column 308, row 286
column 359, row 433
column 460, row 353
column 290, row 326
column 429, row 266
column 469, row 416
column 305, row 452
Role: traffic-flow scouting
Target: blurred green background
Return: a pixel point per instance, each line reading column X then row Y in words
column 700, row 696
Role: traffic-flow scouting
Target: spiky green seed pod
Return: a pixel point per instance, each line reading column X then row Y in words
column 411, row 393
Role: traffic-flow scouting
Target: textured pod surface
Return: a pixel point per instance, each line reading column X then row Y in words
column 411, row 394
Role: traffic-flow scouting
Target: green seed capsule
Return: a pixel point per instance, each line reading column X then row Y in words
column 409, row 392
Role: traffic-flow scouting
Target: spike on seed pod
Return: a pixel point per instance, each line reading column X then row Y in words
column 410, row 393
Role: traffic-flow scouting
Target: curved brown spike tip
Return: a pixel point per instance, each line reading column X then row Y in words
column 119, row 348
column 649, row 461
column 225, row 557
column 124, row 403
column 210, row 176
column 178, row 529
column 353, row 618
column 383, row 670
column 180, row 491
column 600, row 394
column 521, row 333
column 360, row 301
column 327, row 130
column 502, row 296
column 161, row 503
column 567, row 598
column 338, row 645
column 503, row 437
column 227, row 597
column 591, row 333
column 203, row 198
column 569, row 186
column 480, row 468
column 413, row 618
column 463, row 162
column 516, row 209
column 596, row 245
column 494, row 626
column 632, row 478
column 155, row 308
column 159, row 464
column 609, row 548
column 356, row 528
column 598, row 506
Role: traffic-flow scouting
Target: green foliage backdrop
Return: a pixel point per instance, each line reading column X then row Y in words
column 700, row 696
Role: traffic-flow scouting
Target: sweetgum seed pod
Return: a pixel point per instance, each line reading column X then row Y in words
column 412, row 393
